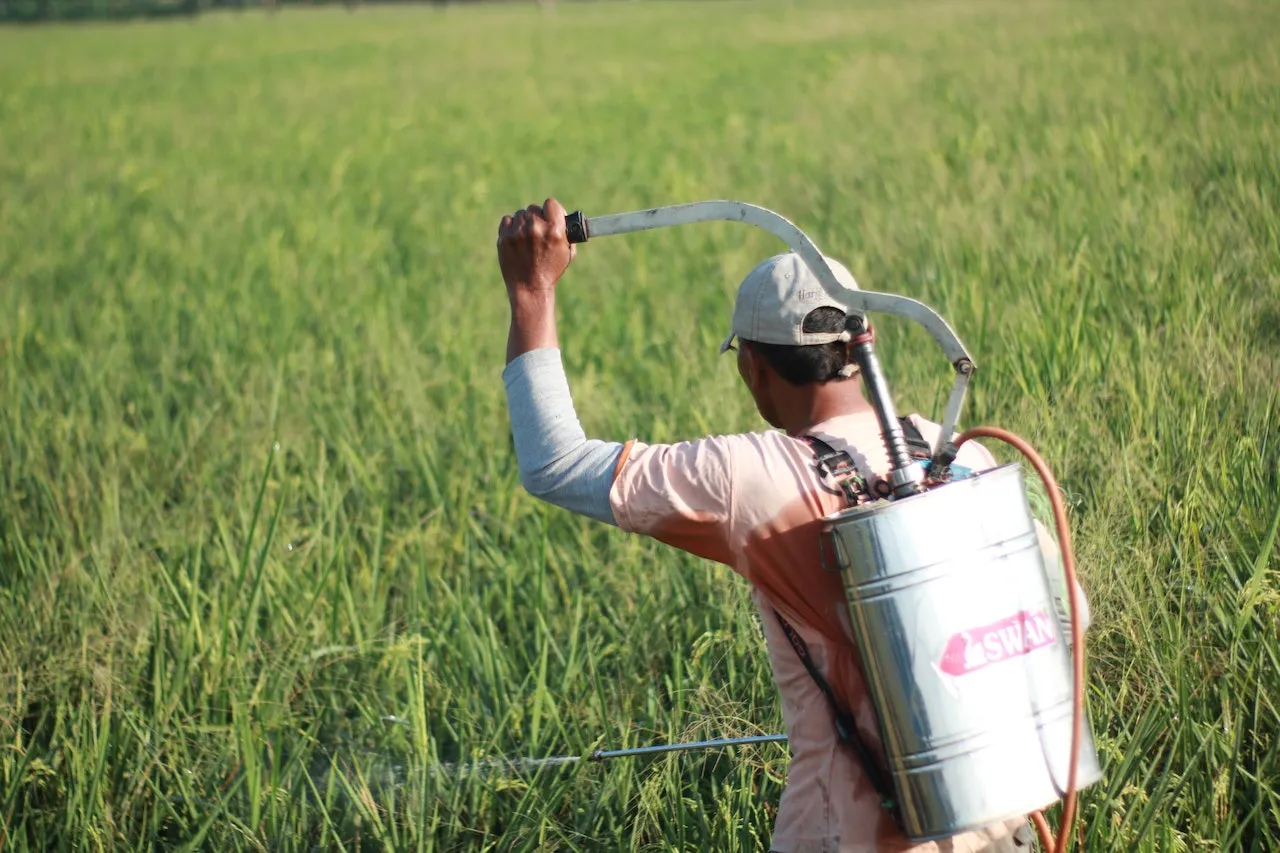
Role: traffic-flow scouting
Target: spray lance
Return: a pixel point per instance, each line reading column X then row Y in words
column 979, row 700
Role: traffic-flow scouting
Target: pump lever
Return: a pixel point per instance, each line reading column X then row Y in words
column 581, row 229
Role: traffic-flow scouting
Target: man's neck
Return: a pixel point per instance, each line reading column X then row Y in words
column 816, row 404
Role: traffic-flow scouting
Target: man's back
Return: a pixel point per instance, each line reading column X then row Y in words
column 755, row 502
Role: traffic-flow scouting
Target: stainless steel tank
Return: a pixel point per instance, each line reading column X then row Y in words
column 965, row 662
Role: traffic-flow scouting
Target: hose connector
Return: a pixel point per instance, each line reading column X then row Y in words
column 906, row 481
column 940, row 466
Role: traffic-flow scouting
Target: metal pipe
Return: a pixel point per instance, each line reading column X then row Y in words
column 906, row 474
column 600, row 755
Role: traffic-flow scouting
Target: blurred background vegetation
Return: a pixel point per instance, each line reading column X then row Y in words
column 35, row 11
column 266, row 568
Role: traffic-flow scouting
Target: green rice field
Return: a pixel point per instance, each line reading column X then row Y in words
column 267, row 573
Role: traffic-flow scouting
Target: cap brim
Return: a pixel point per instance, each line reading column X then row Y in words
column 728, row 342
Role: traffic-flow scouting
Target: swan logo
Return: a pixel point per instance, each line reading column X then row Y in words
column 977, row 648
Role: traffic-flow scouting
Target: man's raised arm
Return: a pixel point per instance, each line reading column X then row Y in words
column 557, row 462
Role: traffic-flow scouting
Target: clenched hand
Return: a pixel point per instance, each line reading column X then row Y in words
column 533, row 250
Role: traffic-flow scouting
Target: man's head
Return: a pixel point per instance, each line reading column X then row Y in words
column 792, row 335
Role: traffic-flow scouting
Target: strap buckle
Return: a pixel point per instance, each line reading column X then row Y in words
column 838, row 467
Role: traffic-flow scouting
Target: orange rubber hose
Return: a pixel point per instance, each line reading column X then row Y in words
column 1063, row 842
column 1042, row 827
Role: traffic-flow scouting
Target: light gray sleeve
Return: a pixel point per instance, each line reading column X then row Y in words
column 558, row 463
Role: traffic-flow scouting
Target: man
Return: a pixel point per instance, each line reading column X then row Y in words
column 752, row 501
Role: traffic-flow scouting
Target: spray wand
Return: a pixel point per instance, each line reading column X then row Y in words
column 599, row 755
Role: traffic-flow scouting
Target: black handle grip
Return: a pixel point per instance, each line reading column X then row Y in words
column 577, row 227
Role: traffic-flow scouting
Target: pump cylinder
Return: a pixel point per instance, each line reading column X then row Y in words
column 963, row 656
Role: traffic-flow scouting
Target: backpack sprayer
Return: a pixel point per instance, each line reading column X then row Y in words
column 980, row 702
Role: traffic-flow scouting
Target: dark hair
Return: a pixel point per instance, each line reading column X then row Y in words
column 805, row 365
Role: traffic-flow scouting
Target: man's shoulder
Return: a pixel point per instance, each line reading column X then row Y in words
column 720, row 448
column 768, row 438
column 762, row 442
column 745, row 457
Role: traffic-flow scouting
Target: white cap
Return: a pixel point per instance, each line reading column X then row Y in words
column 777, row 295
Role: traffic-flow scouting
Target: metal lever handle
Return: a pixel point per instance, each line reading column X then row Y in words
column 579, row 229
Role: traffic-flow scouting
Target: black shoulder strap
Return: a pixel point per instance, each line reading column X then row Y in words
column 846, row 726
column 824, row 452
column 839, row 467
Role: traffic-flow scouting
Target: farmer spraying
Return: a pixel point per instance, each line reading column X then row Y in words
column 754, row 502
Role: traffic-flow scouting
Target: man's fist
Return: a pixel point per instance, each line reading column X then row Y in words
column 533, row 250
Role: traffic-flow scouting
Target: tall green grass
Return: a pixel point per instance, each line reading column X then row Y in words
column 265, row 565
